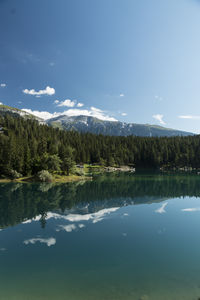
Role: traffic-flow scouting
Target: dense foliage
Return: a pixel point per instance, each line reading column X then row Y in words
column 27, row 148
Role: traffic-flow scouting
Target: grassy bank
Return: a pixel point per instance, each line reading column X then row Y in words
column 56, row 179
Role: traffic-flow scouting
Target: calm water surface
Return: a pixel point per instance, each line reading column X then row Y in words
column 117, row 237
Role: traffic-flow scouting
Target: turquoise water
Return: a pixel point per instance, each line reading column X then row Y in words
column 118, row 237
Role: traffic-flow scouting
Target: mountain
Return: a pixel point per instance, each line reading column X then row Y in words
column 4, row 109
column 97, row 126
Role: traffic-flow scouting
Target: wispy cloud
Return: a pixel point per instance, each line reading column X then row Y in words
column 158, row 98
column 189, row 117
column 2, row 85
column 159, row 118
column 161, row 210
column 124, row 114
column 121, row 95
column 47, row 91
column 92, row 112
column 67, row 102
column 49, row 242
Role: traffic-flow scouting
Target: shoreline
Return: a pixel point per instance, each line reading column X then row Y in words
column 60, row 179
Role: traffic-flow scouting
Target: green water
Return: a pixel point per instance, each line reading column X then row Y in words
column 117, row 237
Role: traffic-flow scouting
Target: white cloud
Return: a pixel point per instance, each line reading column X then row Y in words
column 80, row 104
column 49, row 242
column 1, row 103
column 161, row 210
column 41, row 114
column 121, row 95
column 47, row 91
column 56, row 101
column 2, row 85
column 67, row 102
column 93, row 112
column 124, row 114
column 191, row 209
column 159, row 118
column 192, row 117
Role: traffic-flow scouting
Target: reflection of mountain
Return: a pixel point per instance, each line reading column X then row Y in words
column 20, row 202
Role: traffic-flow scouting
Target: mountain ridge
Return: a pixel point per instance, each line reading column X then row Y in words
column 94, row 125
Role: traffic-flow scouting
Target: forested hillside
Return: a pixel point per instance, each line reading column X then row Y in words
column 27, row 147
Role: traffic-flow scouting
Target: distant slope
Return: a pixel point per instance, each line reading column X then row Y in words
column 96, row 126
column 4, row 109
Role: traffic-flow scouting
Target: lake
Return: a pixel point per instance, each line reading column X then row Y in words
column 120, row 236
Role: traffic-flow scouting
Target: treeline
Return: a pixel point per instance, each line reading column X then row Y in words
column 27, row 147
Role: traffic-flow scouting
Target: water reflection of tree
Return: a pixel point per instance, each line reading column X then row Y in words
column 19, row 202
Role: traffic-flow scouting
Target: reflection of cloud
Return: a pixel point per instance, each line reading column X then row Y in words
column 191, row 209
column 2, row 249
column 125, row 214
column 81, row 225
column 67, row 228
column 49, row 242
column 70, row 227
column 161, row 210
column 95, row 217
column 37, row 218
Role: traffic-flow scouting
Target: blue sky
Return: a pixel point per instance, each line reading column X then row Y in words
column 134, row 61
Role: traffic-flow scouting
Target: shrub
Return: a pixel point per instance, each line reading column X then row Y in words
column 13, row 174
column 79, row 172
column 44, row 176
